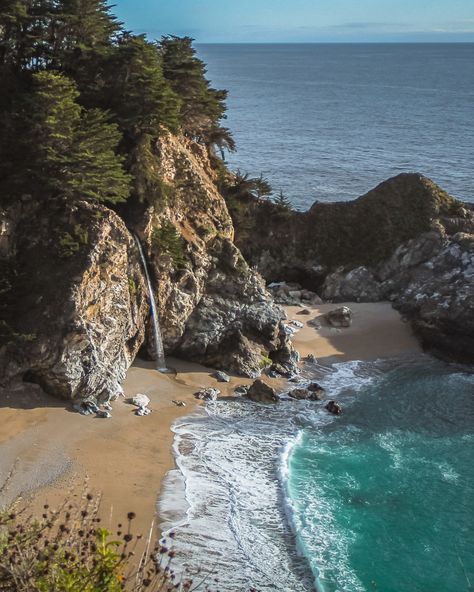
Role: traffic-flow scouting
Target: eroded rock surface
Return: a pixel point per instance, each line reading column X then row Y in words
column 407, row 241
column 74, row 303
column 75, row 307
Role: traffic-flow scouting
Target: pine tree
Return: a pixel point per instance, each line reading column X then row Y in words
column 25, row 33
column 86, row 26
column 282, row 202
column 202, row 107
column 139, row 94
column 71, row 150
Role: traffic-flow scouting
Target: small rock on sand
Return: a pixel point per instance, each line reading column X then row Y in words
column 221, row 376
column 140, row 400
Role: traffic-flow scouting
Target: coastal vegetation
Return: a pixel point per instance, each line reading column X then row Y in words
column 69, row 550
column 83, row 99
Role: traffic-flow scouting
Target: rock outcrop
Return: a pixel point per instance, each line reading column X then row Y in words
column 74, row 304
column 406, row 241
column 261, row 392
column 214, row 309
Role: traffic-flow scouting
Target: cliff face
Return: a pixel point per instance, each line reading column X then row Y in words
column 74, row 302
column 406, row 241
column 213, row 308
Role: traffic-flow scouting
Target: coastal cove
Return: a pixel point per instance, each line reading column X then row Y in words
column 54, row 451
column 214, row 380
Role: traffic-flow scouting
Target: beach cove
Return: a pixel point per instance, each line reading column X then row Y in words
column 52, row 451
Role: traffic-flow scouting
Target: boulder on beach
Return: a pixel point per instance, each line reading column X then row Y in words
column 221, row 376
column 140, row 400
column 208, row 394
column 340, row 317
column 261, row 392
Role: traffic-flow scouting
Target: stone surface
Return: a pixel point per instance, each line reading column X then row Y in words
column 76, row 305
column 406, row 240
column 334, row 408
column 77, row 309
column 261, row 392
column 140, row 400
column 208, row 394
column 339, row 317
column 311, row 393
column 221, row 376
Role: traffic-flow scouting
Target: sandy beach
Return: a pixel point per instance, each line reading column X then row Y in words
column 51, row 451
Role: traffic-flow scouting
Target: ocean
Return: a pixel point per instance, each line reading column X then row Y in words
column 381, row 499
column 289, row 498
column 329, row 122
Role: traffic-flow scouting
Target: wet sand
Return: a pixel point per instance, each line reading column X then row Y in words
column 52, row 450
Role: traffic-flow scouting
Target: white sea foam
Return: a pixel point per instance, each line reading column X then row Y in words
column 228, row 502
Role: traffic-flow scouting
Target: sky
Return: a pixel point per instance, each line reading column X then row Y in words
column 305, row 21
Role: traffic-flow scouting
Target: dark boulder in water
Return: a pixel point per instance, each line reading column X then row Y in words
column 313, row 392
column 334, row 408
column 261, row 392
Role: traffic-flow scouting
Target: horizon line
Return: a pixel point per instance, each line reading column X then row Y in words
column 334, row 42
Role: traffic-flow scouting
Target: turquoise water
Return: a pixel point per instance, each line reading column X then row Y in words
column 383, row 496
column 380, row 499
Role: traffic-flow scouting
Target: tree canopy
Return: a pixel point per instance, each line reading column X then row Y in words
column 79, row 93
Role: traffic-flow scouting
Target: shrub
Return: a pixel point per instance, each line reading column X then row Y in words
column 68, row 550
column 167, row 240
column 69, row 244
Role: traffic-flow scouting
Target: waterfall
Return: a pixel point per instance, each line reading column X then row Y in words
column 160, row 352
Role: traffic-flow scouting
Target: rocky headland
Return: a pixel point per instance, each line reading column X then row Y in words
column 75, row 306
column 406, row 241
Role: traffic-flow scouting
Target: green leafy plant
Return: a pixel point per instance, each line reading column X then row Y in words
column 68, row 550
column 167, row 240
column 70, row 244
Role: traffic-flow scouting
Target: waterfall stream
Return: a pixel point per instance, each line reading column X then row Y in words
column 160, row 352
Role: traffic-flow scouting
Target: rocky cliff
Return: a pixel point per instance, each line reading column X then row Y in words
column 74, row 305
column 407, row 241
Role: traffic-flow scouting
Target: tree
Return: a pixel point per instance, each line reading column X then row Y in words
column 244, row 186
column 221, row 138
column 282, row 202
column 139, row 95
column 24, row 33
column 202, row 107
column 71, row 151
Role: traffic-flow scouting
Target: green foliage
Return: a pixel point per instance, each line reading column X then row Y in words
column 242, row 186
column 132, row 288
column 67, row 550
column 69, row 244
column 282, row 202
column 140, row 97
column 78, row 95
column 167, row 240
column 202, row 106
column 266, row 360
column 148, row 180
column 9, row 335
column 72, row 150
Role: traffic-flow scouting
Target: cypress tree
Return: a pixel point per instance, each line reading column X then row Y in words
column 72, row 150
column 140, row 97
column 201, row 105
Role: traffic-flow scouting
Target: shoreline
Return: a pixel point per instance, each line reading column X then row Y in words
column 53, row 452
